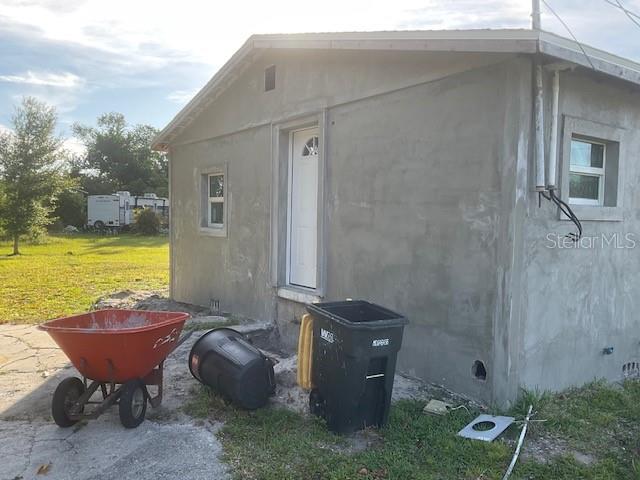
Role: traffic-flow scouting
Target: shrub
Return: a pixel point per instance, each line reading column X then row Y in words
column 37, row 236
column 56, row 226
column 147, row 222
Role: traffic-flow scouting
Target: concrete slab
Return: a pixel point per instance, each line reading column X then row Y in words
column 30, row 360
column 104, row 449
column 166, row 445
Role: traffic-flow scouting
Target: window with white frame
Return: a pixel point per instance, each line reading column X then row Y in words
column 215, row 200
column 592, row 166
column 587, row 172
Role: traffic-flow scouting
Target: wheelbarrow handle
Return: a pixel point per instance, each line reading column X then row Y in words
column 181, row 340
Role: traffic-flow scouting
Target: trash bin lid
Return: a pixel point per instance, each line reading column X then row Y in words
column 358, row 314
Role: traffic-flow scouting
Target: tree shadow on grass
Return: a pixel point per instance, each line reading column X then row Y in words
column 129, row 241
column 9, row 256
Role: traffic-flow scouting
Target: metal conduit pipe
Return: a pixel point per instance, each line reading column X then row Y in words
column 552, row 183
column 541, row 185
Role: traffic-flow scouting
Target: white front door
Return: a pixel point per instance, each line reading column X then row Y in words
column 303, row 208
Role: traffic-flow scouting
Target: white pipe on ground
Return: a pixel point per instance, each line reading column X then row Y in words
column 553, row 142
column 539, row 130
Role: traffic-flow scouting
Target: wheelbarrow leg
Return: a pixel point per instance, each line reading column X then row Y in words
column 109, row 399
column 155, row 378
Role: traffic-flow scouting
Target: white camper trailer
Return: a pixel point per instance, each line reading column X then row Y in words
column 160, row 205
column 103, row 211
column 118, row 209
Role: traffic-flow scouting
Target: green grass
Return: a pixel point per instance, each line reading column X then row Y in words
column 66, row 275
column 276, row 444
column 205, row 403
column 598, row 419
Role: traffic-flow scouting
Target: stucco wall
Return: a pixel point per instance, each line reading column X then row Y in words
column 310, row 80
column 579, row 301
column 414, row 182
column 234, row 269
column 416, row 205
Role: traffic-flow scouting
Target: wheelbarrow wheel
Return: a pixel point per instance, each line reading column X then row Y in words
column 64, row 398
column 133, row 403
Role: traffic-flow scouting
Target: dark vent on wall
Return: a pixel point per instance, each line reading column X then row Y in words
column 631, row 370
column 214, row 305
column 479, row 370
column 270, row 78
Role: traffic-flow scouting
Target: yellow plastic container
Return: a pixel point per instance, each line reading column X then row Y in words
column 305, row 347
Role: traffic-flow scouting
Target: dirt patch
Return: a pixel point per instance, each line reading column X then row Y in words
column 149, row 300
column 291, row 396
column 288, row 394
column 542, row 448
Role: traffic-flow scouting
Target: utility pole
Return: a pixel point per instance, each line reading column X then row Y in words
column 536, row 23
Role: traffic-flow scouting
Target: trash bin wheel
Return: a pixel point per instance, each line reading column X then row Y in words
column 133, row 403
column 316, row 403
column 65, row 396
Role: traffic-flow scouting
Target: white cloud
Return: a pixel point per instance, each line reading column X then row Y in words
column 48, row 79
column 152, row 34
column 64, row 100
column 181, row 96
column 5, row 129
column 177, row 45
column 74, row 146
column 60, row 89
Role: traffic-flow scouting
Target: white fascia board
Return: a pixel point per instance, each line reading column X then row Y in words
column 520, row 41
column 604, row 62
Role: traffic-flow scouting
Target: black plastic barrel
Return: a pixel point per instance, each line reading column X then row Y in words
column 225, row 361
column 355, row 345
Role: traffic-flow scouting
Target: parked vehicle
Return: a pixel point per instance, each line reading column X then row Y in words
column 118, row 209
column 103, row 211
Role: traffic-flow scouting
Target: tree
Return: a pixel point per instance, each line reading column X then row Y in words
column 119, row 157
column 71, row 208
column 29, row 173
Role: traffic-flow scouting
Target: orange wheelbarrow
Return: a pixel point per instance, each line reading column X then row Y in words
column 121, row 352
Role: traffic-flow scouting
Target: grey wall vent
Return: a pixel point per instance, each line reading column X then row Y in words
column 270, row 78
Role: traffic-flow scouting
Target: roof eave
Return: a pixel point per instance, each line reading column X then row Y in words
column 469, row 41
column 195, row 105
column 603, row 62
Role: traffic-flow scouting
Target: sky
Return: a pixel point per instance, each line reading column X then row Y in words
column 146, row 59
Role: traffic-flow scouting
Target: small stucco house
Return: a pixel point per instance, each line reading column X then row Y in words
column 415, row 170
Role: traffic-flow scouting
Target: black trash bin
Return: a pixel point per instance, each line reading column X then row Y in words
column 355, row 345
column 224, row 360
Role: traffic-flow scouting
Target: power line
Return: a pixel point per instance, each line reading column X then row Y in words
column 617, row 4
column 634, row 17
column 570, row 32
